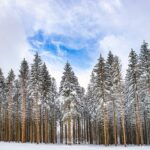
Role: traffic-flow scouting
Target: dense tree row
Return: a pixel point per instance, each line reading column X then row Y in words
column 112, row 111
column 28, row 105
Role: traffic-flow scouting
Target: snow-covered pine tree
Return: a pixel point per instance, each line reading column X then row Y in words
column 46, row 95
column 53, row 110
column 110, row 76
column 115, row 97
column 101, row 94
column 90, row 109
column 144, row 63
column 35, row 89
column 134, row 111
column 69, row 95
column 66, row 87
column 24, row 83
column 16, row 112
column 118, row 95
column 129, row 112
column 78, row 95
column 10, row 96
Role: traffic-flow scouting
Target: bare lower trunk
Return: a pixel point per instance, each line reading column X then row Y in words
column 23, row 138
column 69, row 130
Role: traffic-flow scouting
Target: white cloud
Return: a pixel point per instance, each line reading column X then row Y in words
column 73, row 18
column 83, row 76
column 13, row 44
column 110, row 6
column 116, row 25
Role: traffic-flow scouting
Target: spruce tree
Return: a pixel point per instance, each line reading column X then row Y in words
column 16, row 112
column 69, row 94
column 35, row 83
column 110, row 77
column 10, row 104
column 144, row 63
column 102, row 96
column 53, row 109
column 24, row 81
column 134, row 102
column 45, row 89
column 119, row 95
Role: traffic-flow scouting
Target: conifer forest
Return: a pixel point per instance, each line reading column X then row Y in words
column 113, row 110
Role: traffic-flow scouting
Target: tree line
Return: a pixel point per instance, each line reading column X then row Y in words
column 112, row 111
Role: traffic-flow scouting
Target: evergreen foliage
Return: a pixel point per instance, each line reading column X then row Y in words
column 111, row 111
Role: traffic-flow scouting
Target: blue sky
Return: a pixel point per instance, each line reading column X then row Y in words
column 71, row 30
column 59, row 46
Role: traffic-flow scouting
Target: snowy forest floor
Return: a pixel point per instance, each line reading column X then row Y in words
column 28, row 146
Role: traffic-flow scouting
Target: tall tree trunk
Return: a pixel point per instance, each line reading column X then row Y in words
column 105, row 127
column 74, row 131
column 123, row 123
column 139, row 122
column 10, row 102
column 114, row 124
column 41, row 125
column 46, row 126
column 69, row 130
column 79, row 131
column 23, row 138
column 37, row 123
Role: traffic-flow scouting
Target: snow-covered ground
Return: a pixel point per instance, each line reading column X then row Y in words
column 27, row 146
